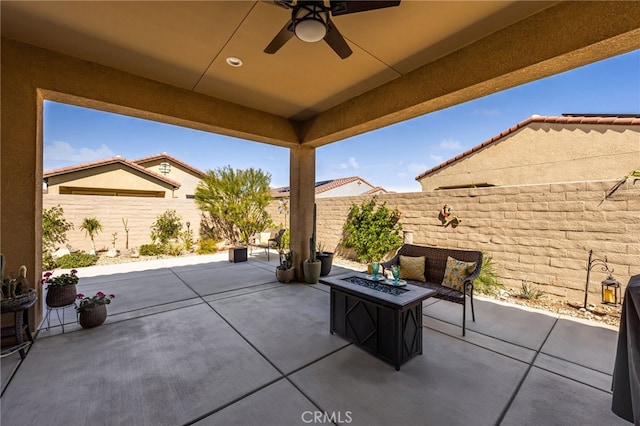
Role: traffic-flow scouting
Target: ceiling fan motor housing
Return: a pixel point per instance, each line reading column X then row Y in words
column 310, row 21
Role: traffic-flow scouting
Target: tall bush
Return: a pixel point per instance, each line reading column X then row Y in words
column 166, row 227
column 236, row 201
column 372, row 230
column 54, row 228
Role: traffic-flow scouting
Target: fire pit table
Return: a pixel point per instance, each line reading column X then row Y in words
column 377, row 316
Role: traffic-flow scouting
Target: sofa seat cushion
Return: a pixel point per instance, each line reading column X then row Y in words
column 412, row 268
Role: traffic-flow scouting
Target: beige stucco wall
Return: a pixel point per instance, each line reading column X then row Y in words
column 188, row 181
column 111, row 176
column 547, row 153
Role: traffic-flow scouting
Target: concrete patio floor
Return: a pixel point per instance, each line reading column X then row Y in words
column 202, row 341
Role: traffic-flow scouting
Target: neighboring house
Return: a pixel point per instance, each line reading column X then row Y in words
column 342, row 187
column 570, row 148
column 187, row 175
column 160, row 176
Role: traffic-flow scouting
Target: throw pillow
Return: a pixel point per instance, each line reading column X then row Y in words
column 412, row 268
column 456, row 272
column 264, row 237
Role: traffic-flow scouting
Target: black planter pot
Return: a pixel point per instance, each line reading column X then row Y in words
column 327, row 261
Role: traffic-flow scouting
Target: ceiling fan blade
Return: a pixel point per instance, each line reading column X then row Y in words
column 335, row 40
column 345, row 7
column 280, row 39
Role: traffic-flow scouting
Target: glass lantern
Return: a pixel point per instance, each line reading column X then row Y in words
column 610, row 291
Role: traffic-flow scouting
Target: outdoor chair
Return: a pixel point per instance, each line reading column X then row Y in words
column 275, row 242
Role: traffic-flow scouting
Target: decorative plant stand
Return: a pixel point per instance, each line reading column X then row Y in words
column 20, row 307
column 57, row 309
column 59, row 298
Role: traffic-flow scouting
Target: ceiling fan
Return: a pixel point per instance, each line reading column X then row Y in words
column 311, row 21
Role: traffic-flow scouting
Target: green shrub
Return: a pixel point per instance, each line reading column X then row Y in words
column 166, row 227
column 372, row 231
column 150, row 250
column 54, row 228
column 286, row 240
column 172, row 248
column 207, row 246
column 187, row 240
column 488, row 281
column 48, row 261
column 529, row 292
column 76, row 260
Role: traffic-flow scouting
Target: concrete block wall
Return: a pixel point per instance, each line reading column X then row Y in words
column 140, row 212
column 538, row 233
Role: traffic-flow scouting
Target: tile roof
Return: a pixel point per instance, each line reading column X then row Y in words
column 375, row 191
column 105, row 162
column 608, row 119
column 324, row 186
column 165, row 156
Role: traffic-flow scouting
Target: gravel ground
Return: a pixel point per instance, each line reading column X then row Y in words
column 604, row 314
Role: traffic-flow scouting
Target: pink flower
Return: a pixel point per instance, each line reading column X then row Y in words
column 48, row 274
column 79, row 296
column 74, row 271
column 113, row 296
column 100, row 294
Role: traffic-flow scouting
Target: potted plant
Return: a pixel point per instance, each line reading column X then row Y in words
column 325, row 258
column 16, row 294
column 92, row 310
column 311, row 266
column 61, row 289
column 286, row 271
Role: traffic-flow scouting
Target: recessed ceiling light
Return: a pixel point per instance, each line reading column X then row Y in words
column 234, row 62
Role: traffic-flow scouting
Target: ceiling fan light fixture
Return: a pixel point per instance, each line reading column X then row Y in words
column 310, row 22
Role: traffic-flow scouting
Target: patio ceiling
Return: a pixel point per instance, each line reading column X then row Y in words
column 407, row 60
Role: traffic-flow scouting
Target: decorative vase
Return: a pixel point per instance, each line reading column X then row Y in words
column 311, row 271
column 285, row 275
column 61, row 296
column 93, row 317
column 327, row 261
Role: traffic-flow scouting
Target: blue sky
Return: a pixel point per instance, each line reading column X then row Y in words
column 390, row 157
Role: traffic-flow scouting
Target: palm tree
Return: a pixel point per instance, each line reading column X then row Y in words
column 91, row 226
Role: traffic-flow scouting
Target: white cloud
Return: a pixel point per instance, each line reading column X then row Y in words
column 402, row 174
column 450, row 144
column 437, row 158
column 350, row 164
column 487, row 112
column 416, row 167
column 62, row 153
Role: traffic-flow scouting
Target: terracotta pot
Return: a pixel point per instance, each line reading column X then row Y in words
column 285, row 275
column 93, row 317
column 61, row 296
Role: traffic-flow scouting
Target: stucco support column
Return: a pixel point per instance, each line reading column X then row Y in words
column 21, row 180
column 302, row 165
